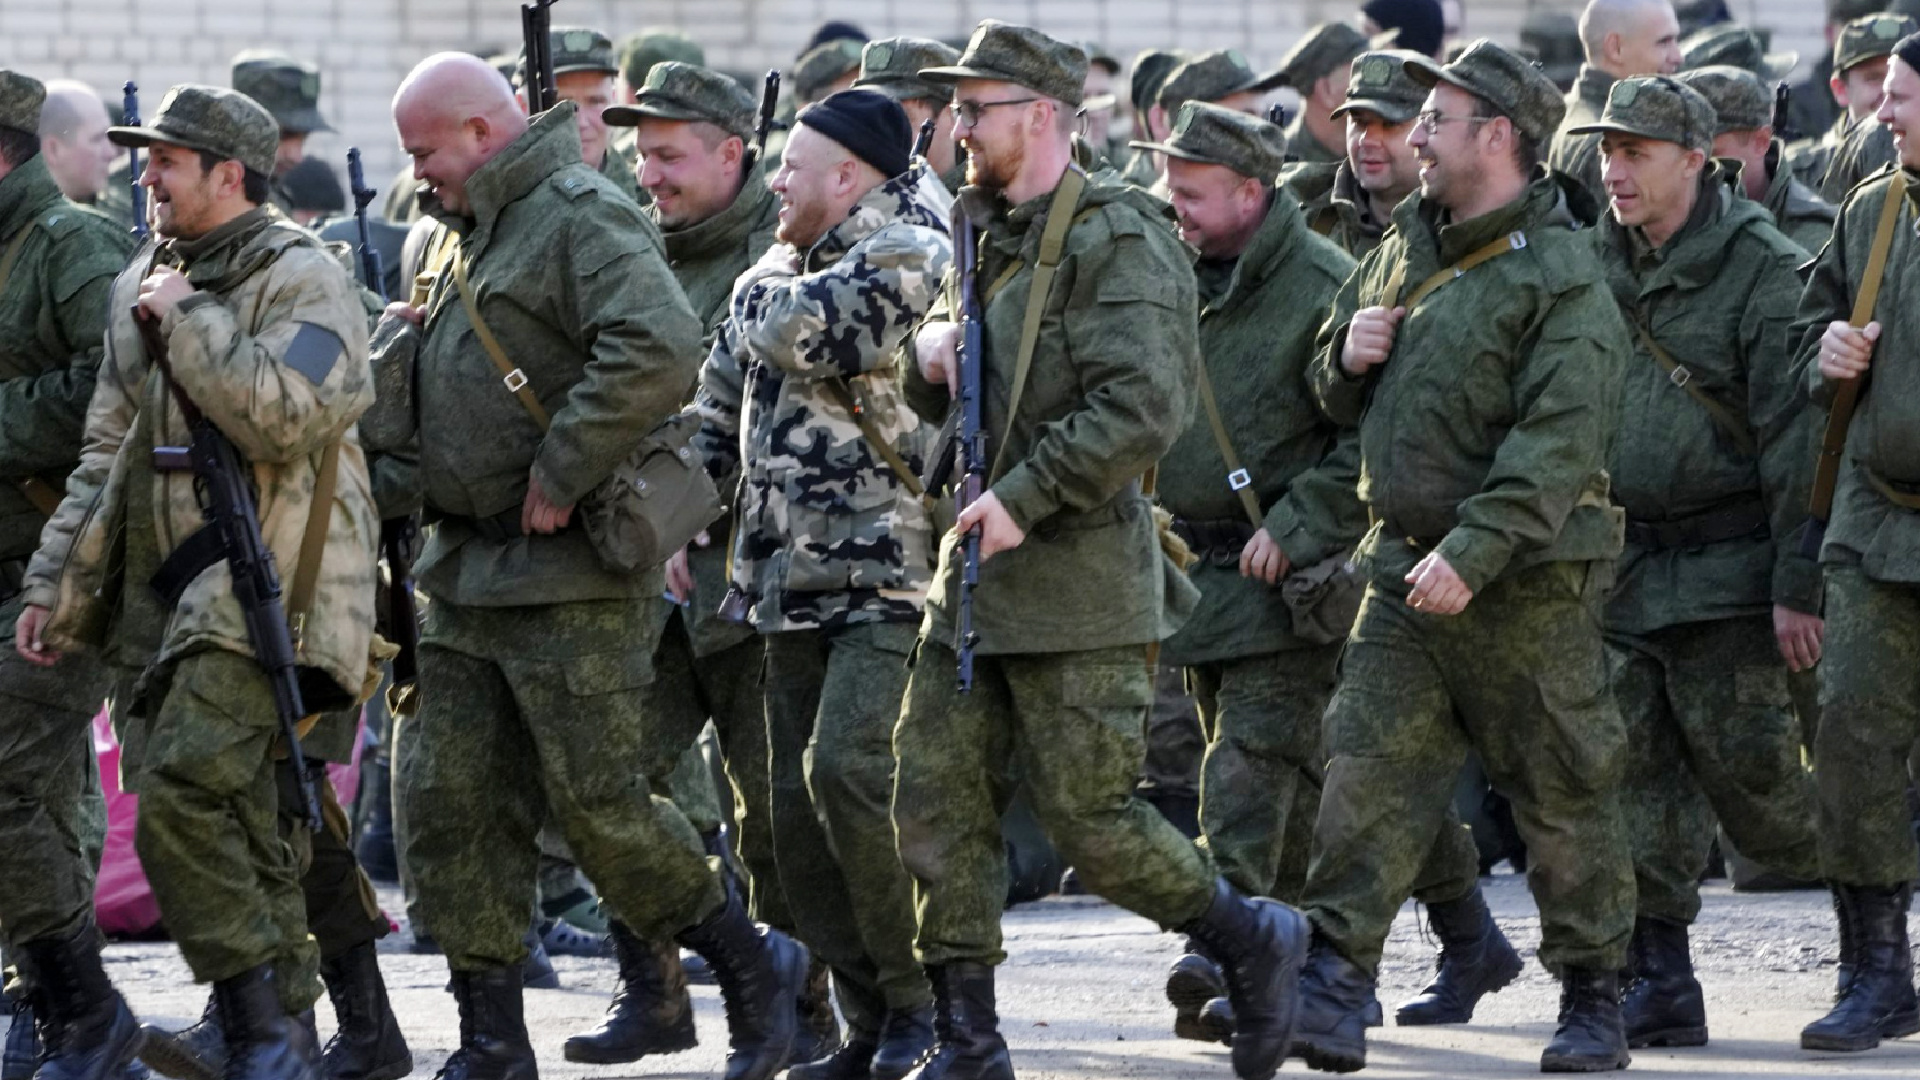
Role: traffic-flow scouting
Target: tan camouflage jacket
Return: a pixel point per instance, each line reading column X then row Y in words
column 828, row 534
column 273, row 349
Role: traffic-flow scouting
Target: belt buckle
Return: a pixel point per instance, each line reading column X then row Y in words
column 516, row 380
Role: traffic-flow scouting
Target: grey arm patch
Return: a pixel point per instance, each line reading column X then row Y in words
column 313, row 352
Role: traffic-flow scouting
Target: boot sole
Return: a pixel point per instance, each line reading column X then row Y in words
column 1583, row 1064
column 591, row 1054
column 1332, row 1057
column 158, row 1052
column 1188, row 993
column 1201, row 1027
column 393, row 1070
column 1502, row 977
column 1673, row 1036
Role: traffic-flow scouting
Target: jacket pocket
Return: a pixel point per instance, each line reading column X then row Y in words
column 874, row 537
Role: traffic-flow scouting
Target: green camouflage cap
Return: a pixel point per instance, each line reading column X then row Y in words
column 1021, row 55
column 1502, row 78
column 1150, row 71
column 1869, row 39
column 893, row 66
column 211, row 118
column 1841, row 12
column 1738, row 46
column 819, row 68
column 1740, row 101
column 1212, row 76
column 1216, row 135
column 21, row 97
column 1380, row 84
column 677, row 91
column 574, row 48
column 637, row 53
column 1655, row 107
column 1315, row 56
column 286, row 87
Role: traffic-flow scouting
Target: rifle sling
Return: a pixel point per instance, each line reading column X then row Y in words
column 1053, row 243
column 510, row 373
column 1833, row 443
column 1729, row 422
column 848, row 397
column 1397, row 280
column 1237, row 477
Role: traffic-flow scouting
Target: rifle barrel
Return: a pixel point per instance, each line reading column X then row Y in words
column 130, row 106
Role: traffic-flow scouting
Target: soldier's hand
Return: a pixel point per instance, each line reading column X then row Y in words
column 938, row 347
column 539, row 514
column 1800, row 635
column 1370, row 338
column 400, row 309
column 1845, row 352
column 997, row 531
column 27, row 636
column 1437, row 590
column 1262, row 558
column 163, row 289
column 679, row 575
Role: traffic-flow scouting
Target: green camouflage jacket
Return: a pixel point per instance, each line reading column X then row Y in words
column 571, row 278
column 617, row 166
column 1578, row 156
column 827, row 534
column 1884, row 439
column 272, row 348
column 1806, row 218
column 1256, row 339
column 1110, row 389
column 1867, row 149
column 1335, row 206
column 53, row 321
column 1717, row 297
column 1303, row 148
column 1485, row 434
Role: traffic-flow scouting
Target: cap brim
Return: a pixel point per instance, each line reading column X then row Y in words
column 141, row 137
column 1428, row 72
column 957, row 72
column 1623, row 129
column 1780, row 65
column 631, row 115
column 905, row 89
column 1173, row 151
column 302, row 122
column 599, row 69
column 1392, row 112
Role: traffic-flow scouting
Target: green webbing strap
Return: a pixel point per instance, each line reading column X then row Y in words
column 1237, row 477
column 1678, row 375
column 1053, row 244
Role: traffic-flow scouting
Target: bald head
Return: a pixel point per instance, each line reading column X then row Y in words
column 73, row 139
column 454, row 113
column 1631, row 37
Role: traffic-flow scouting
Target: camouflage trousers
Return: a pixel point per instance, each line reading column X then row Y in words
column 1870, row 716
column 1520, row 676
column 833, row 697
column 209, row 837
column 1071, row 724
column 531, row 715
column 341, row 908
column 1710, row 731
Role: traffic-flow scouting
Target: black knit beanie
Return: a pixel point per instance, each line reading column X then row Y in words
column 871, row 125
column 1420, row 24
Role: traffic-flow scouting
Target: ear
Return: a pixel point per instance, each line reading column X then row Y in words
column 1610, row 47
column 1696, row 162
column 480, row 128
column 733, row 149
column 1839, row 87
column 232, row 179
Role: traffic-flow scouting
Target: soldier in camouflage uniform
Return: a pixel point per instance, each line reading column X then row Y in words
column 1868, row 692
column 1622, row 38
column 1488, row 558
column 1867, row 149
column 244, row 299
column 1150, row 71
column 1221, row 77
column 583, row 73
column 1711, row 594
column 1351, row 201
column 1743, row 134
column 826, row 69
column 833, row 547
column 290, row 90
column 892, row 66
column 1319, row 68
column 1862, row 49
column 534, row 650
column 1811, row 108
column 1074, row 585
column 60, row 262
column 637, row 54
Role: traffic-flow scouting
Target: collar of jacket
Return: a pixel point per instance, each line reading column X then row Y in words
column 1694, row 256
column 24, row 193
column 1592, row 87
column 550, row 143
column 1346, row 191
column 228, row 254
column 1426, row 223
column 1008, row 229
column 898, row 199
column 1266, row 252
column 724, row 229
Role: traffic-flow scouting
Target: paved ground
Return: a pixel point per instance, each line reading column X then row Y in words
column 1081, row 998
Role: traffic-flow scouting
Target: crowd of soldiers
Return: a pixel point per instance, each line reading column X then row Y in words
column 1469, row 417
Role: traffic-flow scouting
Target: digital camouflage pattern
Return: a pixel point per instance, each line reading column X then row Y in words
column 1655, row 107
column 677, row 91
column 1738, row 46
column 1319, row 53
column 1212, row 76
column 893, row 66
column 1304, row 148
column 1741, row 102
column 827, row 534
column 1511, row 83
column 1869, row 37
column 1022, row 55
column 640, row 51
column 1335, row 205
column 1578, row 156
column 211, row 118
column 1867, row 148
column 822, row 66
column 1215, row 135
column 287, row 88
column 1380, row 85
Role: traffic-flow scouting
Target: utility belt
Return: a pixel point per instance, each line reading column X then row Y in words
column 1901, row 493
column 1747, row 518
column 1218, row 540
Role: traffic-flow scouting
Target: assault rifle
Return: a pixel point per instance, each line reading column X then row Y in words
column 536, row 30
column 923, row 142
column 223, row 482
column 970, row 439
column 1277, row 115
column 130, row 105
column 1782, row 109
column 763, row 123
column 370, row 267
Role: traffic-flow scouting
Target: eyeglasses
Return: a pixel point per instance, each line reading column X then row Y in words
column 1431, row 120
column 968, row 112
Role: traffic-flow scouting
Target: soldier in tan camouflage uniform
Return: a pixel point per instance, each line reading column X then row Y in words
column 1622, row 38
column 892, row 66
column 1351, row 201
column 1319, row 68
column 1743, row 133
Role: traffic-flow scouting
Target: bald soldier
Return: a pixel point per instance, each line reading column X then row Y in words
column 73, row 140
column 534, row 651
column 892, row 66
column 1319, row 68
column 1621, row 38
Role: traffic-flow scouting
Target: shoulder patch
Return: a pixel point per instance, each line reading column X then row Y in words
column 572, row 184
column 313, row 352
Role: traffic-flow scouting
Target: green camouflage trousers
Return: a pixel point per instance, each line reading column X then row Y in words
column 342, row 909
column 1870, row 715
column 1520, row 676
column 531, row 715
column 1710, row 731
column 1073, row 724
column 227, row 883
column 833, row 697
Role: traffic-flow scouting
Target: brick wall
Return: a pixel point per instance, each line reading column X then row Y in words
column 364, row 47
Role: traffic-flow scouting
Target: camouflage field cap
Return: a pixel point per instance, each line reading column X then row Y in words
column 677, row 91
column 1022, row 55
column 1315, row 56
column 821, row 66
column 1738, row 46
column 1845, row 11
column 288, row 88
column 1655, row 107
column 637, row 53
column 1869, row 39
column 211, row 118
column 21, row 97
column 1150, row 71
column 1216, row 135
column 574, row 48
column 1510, row 83
column 1740, row 101
column 1380, row 84
column 893, row 66
column 1212, row 76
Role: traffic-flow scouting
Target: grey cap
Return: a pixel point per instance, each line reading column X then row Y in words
column 1739, row 46
column 638, row 52
column 1380, row 84
column 1315, row 56
column 1741, row 102
column 1511, row 84
column 1212, row 76
column 893, row 66
column 1655, row 107
column 210, row 118
column 1021, row 55
column 823, row 65
column 1150, row 70
column 286, row 87
column 1216, row 135
column 574, row 48
column 21, row 98
column 687, row 92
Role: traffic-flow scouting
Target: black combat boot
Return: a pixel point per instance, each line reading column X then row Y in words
column 493, row 1028
column 86, row 1030
column 1192, row 982
column 367, row 1044
column 1475, row 960
column 852, row 1061
column 1663, row 1005
column 967, row 1043
column 193, row 1053
column 1261, row 945
column 651, row 1012
column 1849, row 941
column 1878, row 1002
column 761, row 974
column 819, row 1032
column 263, row 1042
column 1591, row 1037
column 905, row 1038
column 1332, row 1033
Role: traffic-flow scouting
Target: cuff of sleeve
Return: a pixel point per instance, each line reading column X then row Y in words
column 1019, row 491
column 1477, row 563
column 1296, row 541
column 561, row 492
column 1797, row 585
column 39, row 594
